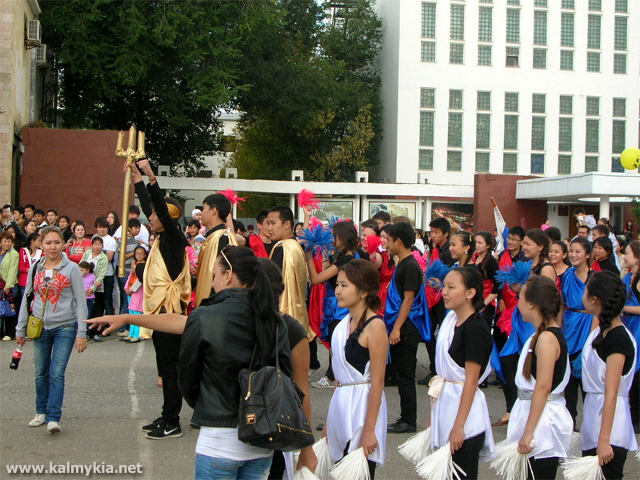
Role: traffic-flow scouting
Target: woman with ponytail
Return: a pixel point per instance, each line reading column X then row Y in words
column 359, row 347
column 559, row 258
column 539, row 414
column 604, row 256
column 488, row 266
column 631, row 318
column 461, row 248
column 608, row 365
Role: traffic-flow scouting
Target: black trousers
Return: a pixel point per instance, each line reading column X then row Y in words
column 167, row 347
column 314, row 363
column 571, row 392
column 467, row 456
column 543, row 469
column 436, row 315
column 403, row 358
column 509, row 367
column 634, row 400
column 613, row 469
column 332, row 327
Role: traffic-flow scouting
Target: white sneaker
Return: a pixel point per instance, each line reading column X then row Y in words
column 123, row 334
column 6, row 338
column 53, row 427
column 324, row 382
column 38, row 420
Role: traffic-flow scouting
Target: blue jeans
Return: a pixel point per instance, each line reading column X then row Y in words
column 220, row 468
column 52, row 351
column 124, row 298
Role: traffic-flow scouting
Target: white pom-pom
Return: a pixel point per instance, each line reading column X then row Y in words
column 325, row 462
column 439, row 466
column 638, row 455
column 574, row 450
column 353, row 466
column 583, row 468
column 417, row 447
column 509, row 463
column 304, row 474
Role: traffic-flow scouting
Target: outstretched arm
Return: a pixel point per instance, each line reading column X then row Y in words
column 161, row 322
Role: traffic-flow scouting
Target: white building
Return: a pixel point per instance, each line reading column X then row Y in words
column 547, row 87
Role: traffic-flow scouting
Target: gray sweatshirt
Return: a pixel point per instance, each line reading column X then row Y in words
column 66, row 301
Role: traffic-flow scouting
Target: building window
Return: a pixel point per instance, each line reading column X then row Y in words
column 567, row 30
column 595, row 5
column 540, row 58
column 513, row 2
column 568, row 4
column 619, row 107
column 427, row 97
column 566, row 104
column 620, row 36
column 564, row 164
column 537, row 133
column 454, row 137
column 455, row 99
column 618, row 134
column 484, row 101
column 484, row 55
column 592, row 139
column 425, row 159
column 428, row 20
column 593, row 106
column 616, row 166
column 620, row 63
column 621, row 6
column 537, row 163
column 511, row 132
column 482, row 162
column 454, row 160
column 593, row 32
column 483, row 130
column 513, row 25
column 593, row 62
column 566, row 60
column 510, row 163
column 565, row 142
column 457, row 22
column 428, row 52
column 426, row 128
column 485, row 24
column 512, row 57
column 538, row 103
column 456, row 53
column 591, row 164
column 511, row 101
column 540, row 3
column 540, row 27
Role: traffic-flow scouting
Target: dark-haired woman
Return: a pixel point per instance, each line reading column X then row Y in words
column 604, row 255
column 459, row 413
column 608, row 364
column 461, row 248
column 631, row 319
column 559, row 258
column 357, row 415
column 113, row 221
column 543, row 372
column 488, row 266
column 387, row 268
column 78, row 244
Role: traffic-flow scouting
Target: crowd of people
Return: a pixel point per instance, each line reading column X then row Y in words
column 551, row 317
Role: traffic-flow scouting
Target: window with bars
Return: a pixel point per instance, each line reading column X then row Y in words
column 566, row 59
column 591, row 164
column 483, row 130
column 426, row 128
column 593, row 62
column 537, row 133
column 483, row 102
column 540, row 58
column 569, row 4
column 595, row 5
column 618, row 133
column 482, row 162
column 540, row 27
column 616, row 166
column 513, row 2
column 619, row 107
column 537, row 163
column 428, row 52
column 486, row 1
column 513, row 55
column 425, row 159
column 593, row 31
column 454, row 135
column 593, row 106
column 510, row 163
column 567, row 29
column 564, row 164
column 427, row 97
column 511, row 132
column 454, row 160
column 484, row 55
column 428, row 20
column 565, row 137
column 621, row 6
column 620, row 35
column 538, row 103
column 540, row 3
column 455, row 99
column 456, row 53
column 620, row 63
column 457, row 21
column 566, row 104
column 513, row 25
column 511, row 101
column 592, row 138
column 485, row 24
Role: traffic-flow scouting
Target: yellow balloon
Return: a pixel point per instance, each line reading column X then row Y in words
column 630, row 158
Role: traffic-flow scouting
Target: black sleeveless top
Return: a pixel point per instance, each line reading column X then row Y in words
column 356, row 354
column 560, row 365
column 538, row 268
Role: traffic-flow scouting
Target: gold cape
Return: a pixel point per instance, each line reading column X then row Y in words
column 159, row 290
column 206, row 261
column 294, row 277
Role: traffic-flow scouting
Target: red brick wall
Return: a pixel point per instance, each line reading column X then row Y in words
column 503, row 189
column 75, row 172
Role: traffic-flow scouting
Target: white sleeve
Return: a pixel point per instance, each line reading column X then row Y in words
column 143, row 236
column 118, row 233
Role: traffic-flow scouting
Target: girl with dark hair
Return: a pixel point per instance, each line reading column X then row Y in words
column 459, row 413
column 539, row 414
column 113, row 221
column 576, row 321
column 386, row 269
column 359, row 347
column 64, row 222
column 631, row 318
column 536, row 248
column 461, row 248
column 559, row 258
column 603, row 255
column 488, row 266
column 608, row 364
column 30, row 253
column 78, row 244
column 133, row 287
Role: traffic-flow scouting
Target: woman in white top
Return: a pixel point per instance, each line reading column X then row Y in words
column 357, row 414
column 608, row 361
column 540, row 413
column 459, row 413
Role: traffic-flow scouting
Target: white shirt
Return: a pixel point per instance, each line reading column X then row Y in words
column 143, row 236
column 109, row 245
column 223, row 443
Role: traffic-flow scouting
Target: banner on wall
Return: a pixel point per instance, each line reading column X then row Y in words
column 342, row 209
column 395, row 209
column 460, row 215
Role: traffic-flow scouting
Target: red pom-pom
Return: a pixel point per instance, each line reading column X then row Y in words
column 373, row 242
column 231, row 195
column 315, row 223
column 306, row 198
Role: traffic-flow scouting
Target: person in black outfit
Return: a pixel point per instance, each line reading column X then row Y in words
column 603, row 253
column 172, row 244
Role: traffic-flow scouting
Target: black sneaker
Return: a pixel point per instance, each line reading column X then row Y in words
column 165, row 431
column 401, row 426
column 427, row 379
column 157, row 423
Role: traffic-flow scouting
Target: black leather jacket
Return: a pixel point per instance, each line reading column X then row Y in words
column 217, row 343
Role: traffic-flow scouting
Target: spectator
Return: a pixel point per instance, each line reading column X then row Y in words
column 88, row 279
column 78, row 244
column 109, row 246
column 64, row 222
column 193, row 229
column 99, row 260
column 51, row 217
column 9, row 260
column 143, row 236
column 29, row 210
column 113, row 221
column 18, row 216
column 38, row 216
column 30, row 227
column 30, row 253
column 133, row 229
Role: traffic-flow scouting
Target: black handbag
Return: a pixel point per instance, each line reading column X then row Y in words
column 270, row 414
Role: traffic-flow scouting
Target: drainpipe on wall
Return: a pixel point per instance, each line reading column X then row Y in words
column 32, row 88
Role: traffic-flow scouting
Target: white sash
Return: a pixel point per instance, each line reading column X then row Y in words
column 348, row 407
column 445, row 409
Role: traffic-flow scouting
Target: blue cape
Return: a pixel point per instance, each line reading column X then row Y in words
column 632, row 322
column 576, row 326
column 419, row 313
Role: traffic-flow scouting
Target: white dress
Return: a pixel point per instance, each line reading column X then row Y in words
column 593, row 376
column 444, row 409
column 552, row 434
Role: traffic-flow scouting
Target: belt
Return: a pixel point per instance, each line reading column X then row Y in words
column 574, row 310
column 527, row 394
column 436, row 384
column 602, row 393
column 366, row 382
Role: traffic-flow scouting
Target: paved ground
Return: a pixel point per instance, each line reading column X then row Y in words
column 111, row 393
